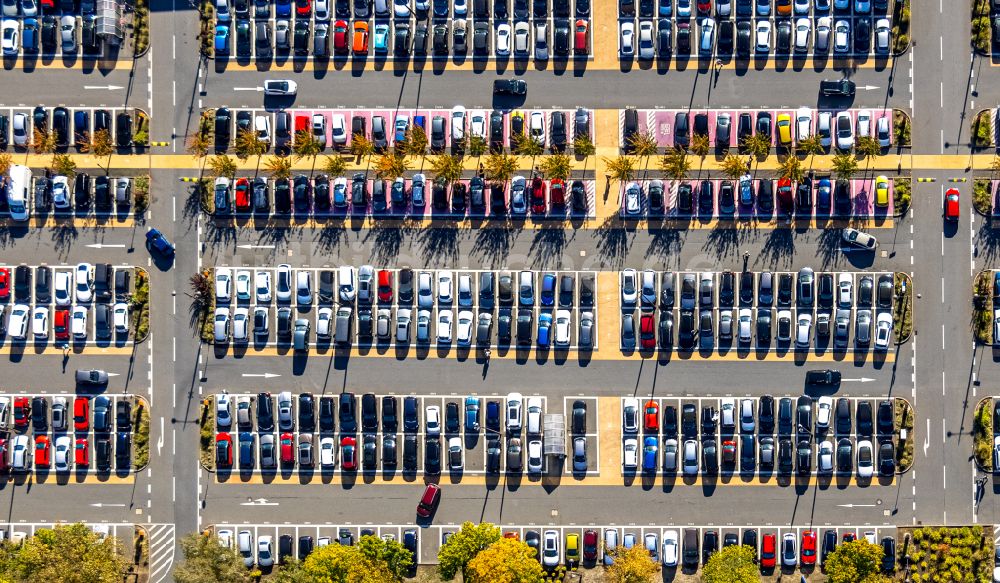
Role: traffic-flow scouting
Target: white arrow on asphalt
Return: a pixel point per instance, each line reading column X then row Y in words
column 108, row 87
column 868, row 87
column 266, row 375
column 861, row 380
column 105, row 246
column 927, row 437
column 159, row 442
column 114, row 374
column 857, row 505
column 106, row 505
column 259, row 502
column 255, row 246
column 248, row 88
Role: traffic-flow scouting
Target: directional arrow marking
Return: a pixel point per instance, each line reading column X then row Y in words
column 266, row 375
column 108, row 87
column 106, row 505
column 248, row 88
column 857, row 505
column 255, row 246
column 860, row 380
column 105, row 246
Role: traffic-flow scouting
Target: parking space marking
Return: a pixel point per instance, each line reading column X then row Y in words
column 88, row 65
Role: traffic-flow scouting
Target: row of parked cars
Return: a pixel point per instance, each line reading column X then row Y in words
column 49, row 35
column 748, row 8
column 498, row 129
column 747, row 429
column 71, row 127
column 263, row 553
column 319, row 195
column 111, row 421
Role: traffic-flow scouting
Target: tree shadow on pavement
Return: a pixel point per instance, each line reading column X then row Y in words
column 665, row 244
column 440, row 244
column 63, row 236
column 385, row 243
column 493, row 245
column 779, row 246
column 723, row 243
column 987, row 243
column 828, row 248
column 329, row 238
column 548, row 246
column 613, row 242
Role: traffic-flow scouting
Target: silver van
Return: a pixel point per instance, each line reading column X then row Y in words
column 343, row 326
column 301, row 337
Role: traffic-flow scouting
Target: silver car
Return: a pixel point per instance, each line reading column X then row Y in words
column 67, row 33
column 690, row 457
column 403, row 325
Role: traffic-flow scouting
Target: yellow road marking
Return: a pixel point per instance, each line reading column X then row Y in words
column 51, row 478
column 79, row 64
column 54, row 350
column 55, row 221
column 609, row 437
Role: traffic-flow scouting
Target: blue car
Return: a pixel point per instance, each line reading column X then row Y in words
column 649, row 448
column 472, row 414
column 548, row 293
column 823, row 194
column 744, row 8
column 222, row 40
column 544, row 329
column 381, row 38
column 666, row 7
column 283, row 9
column 159, row 243
column 402, row 125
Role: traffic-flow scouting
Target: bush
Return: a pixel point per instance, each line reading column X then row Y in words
column 982, row 434
column 901, row 125
column 141, row 436
column 140, row 304
column 982, row 198
column 207, row 436
column 902, row 189
column 981, row 133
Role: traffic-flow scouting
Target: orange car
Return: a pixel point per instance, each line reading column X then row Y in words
column 360, row 43
column 783, row 7
column 580, row 38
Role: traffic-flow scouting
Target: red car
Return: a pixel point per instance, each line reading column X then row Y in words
column 728, row 452
column 705, row 6
column 82, row 452
column 849, row 537
column 22, row 411
column 287, row 443
column 951, row 204
column 3, row 455
column 432, row 493
column 348, row 447
column 301, row 124
column 580, row 39
column 768, row 551
column 340, row 36
column 512, row 534
column 223, row 450
column 651, row 417
column 590, row 542
column 647, row 332
column 538, row 196
column 785, row 193
column 809, row 547
column 303, row 7
column 61, row 324
column 42, row 451
column 81, row 413
column 242, row 194
column 4, row 283
column 385, row 286
column 557, row 192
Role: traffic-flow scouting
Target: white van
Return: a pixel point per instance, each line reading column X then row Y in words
column 18, row 183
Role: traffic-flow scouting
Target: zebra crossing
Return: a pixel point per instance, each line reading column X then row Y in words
column 162, row 543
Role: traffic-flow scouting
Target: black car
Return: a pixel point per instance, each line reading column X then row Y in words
column 493, row 456
column 39, row 414
column 666, row 329
column 327, row 411
column 60, row 126
column 824, row 377
column 81, row 191
column 282, row 196
column 706, row 197
column 685, row 201
column 709, row 544
column 886, row 420
column 725, row 39
column 510, row 87
column 348, row 419
column 432, row 456
column 300, row 37
column 307, row 413
column 301, row 190
column 842, row 413
column 803, row 457
column 451, row 418
column 837, row 88
column 123, row 415
column 886, row 458
column 265, row 412
column 862, row 35
column 664, row 37
column 743, row 35
column 888, row 554
column 102, row 452
column 684, row 37
column 689, row 420
column 390, row 421
column 784, row 36
column 369, row 412
column 765, row 414
column 863, row 417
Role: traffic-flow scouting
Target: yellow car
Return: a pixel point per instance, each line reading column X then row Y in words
column 784, row 126
column 881, row 191
column 572, row 550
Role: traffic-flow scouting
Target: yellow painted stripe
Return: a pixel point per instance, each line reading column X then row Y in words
column 54, row 350
column 53, row 221
column 51, row 478
column 79, row 64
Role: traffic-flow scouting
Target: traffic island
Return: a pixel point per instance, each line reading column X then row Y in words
column 203, row 304
column 206, row 28
column 981, row 33
column 901, row 128
column 900, row 26
column 982, row 435
column 903, row 413
column 982, row 196
column 947, row 553
column 902, row 309
column 901, row 192
column 207, row 436
column 982, row 130
column 982, row 313
column 140, row 305
column 141, row 423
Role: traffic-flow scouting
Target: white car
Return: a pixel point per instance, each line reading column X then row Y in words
column 241, row 324
column 324, row 320
column 327, row 453
column 883, row 330
column 522, row 32
column 60, row 192
column 63, row 453
column 763, row 36
column 627, row 40
column 842, row 36
column 120, row 317
column 562, row 327
column 882, row 131
column 40, row 322
column 630, row 415
column 243, row 285
column 503, row 40
column 265, row 553
column 859, row 239
column 845, row 293
column 824, row 459
column 645, row 40
column 865, row 459
column 883, row 35
column 11, row 38
column 534, row 408
column 83, row 282
column 401, row 8
column 864, row 123
column 223, row 413
column 432, row 420
column 223, row 284
column 322, row 9
column 464, row 330
column 346, row 288
column 803, row 124
column 513, row 413
column 63, row 287
column 280, row 87
column 823, row 26
column 67, row 33
column 803, row 28
column 535, row 456
column 444, row 324
column 824, row 410
column 78, row 322
column 17, row 323
column 19, row 128
column 707, row 39
column 633, row 198
column 536, row 127
column 457, row 123
column 630, row 287
column 670, row 547
column 630, row 458
column 444, row 287
column 477, row 124
column 744, row 326
column 550, row 549
column 541, row 41
column 262, row 284
column 303, row 287
column 220, row 325
column 845, row 131
column 803, row 330
column 802, row 6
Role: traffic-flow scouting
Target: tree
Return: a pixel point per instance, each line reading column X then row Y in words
column 857, row 561
column 675, row 164
column 6, row 161
column 63, row 165
column 334, row 165
column 477, row 146
column 556, row 166
column 70, row 553
column 757, row 145
column 525, row 145
column 201, row 288
column 810, row 146
column 372, row 560
column 248, row 144
column 699, row 145
column 734, row 166
column 223, row 166
column 463, row 546
column 845, row 165
column 278, row 167
column 197, row 145
column 505, row 561
column 583, row 145
column 415, row 143
column 867, row 146
column 632, row 565
column 733, row 564
column 361, row 146
column 391, row 165
column 43, row 142
column 621, row 168
column 291, row 571
column 447, row 166
column 102, row 146
column 642, row 144
column 499, row 167
column 791, row 168
column 306, row 145
column 206, row 560
column 386, row 556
